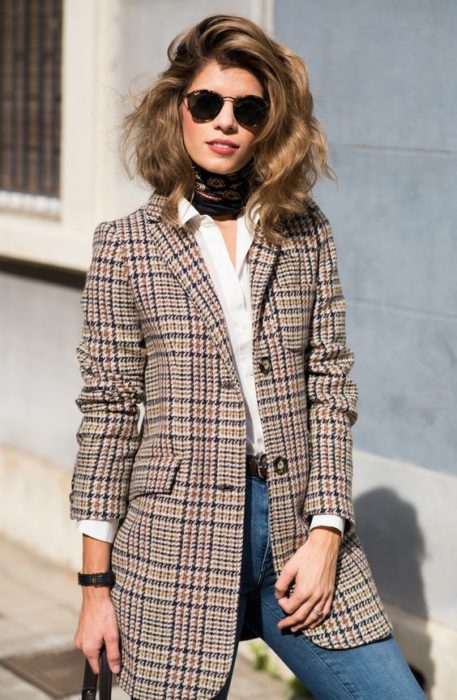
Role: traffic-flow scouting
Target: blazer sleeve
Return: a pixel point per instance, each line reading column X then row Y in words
column 112, row 359
column 331, row 394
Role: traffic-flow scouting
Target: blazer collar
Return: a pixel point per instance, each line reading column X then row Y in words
column 181, row 253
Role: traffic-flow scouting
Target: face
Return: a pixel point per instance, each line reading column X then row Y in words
column 229, row 82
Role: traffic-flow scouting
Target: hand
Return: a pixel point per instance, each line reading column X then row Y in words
column 97, row 625
column 313, row 566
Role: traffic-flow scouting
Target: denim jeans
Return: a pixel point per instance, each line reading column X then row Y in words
column 373, row 671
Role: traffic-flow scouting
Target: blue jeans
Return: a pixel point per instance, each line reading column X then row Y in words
column 373, row 671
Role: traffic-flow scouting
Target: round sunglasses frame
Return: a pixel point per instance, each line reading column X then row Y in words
column 237, row 103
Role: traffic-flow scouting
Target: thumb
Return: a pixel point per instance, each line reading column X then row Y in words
column 113, row 654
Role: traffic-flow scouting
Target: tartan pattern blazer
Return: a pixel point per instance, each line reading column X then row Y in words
column 154, row 333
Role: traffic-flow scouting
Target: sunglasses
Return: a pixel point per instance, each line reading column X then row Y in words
column 205, row 105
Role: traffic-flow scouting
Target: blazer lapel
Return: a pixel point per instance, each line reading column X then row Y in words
column 262, row 257
column 181, row 253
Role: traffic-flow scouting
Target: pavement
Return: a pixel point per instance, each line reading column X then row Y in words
column 39, row 610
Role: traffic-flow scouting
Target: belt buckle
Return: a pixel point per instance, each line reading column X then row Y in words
column 261, row 465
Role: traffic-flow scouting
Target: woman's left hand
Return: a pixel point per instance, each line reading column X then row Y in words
column 313, row 567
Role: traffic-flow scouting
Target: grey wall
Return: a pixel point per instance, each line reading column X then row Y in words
column 383, row 75
column 39, row 379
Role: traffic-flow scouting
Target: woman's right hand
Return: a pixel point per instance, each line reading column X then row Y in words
column 97, row 625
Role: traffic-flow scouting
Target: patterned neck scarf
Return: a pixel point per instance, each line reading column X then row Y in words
column 217, row 193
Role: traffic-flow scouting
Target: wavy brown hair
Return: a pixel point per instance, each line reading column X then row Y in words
column 290, row 149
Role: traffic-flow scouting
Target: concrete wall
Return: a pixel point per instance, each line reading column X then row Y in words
column 385, row 91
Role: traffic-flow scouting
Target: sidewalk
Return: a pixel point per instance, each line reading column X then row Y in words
column 39, row 609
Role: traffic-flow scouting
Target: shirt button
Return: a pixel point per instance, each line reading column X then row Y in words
column 228, row 384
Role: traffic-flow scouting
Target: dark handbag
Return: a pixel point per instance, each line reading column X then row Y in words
column 104, row 677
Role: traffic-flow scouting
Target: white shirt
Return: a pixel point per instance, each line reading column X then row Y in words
column 234, row 292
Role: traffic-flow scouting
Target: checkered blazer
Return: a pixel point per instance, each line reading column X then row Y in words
column 154, row 332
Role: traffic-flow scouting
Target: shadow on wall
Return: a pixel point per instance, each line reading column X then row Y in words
column 394, row 544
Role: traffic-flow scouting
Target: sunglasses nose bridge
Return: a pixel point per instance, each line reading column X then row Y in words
column 222, row 111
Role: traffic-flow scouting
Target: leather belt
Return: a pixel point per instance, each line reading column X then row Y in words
column 256, row 465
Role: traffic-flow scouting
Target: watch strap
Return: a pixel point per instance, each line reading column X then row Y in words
column 102, row 578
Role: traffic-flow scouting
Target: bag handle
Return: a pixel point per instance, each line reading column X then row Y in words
column 89, row 690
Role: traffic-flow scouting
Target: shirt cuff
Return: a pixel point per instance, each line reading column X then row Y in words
column 100, row 529
column 329, row 520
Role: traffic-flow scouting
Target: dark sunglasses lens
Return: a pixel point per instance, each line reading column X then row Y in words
column 251, row 110
column 204, row 106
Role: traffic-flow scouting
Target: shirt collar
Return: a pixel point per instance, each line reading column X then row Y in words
column 187, row 211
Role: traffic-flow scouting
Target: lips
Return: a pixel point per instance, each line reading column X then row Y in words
column 223, row 142
column 222, row 147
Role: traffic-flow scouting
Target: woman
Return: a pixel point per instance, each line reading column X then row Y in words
column 218, row 304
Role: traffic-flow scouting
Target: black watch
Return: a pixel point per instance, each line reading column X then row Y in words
column 104, row 578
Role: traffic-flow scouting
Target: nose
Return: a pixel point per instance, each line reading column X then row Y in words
column 226, row 117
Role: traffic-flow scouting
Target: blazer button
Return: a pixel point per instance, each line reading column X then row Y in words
column 280, row 465
column 265, row 365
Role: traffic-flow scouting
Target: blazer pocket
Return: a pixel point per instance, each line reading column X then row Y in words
column 153, row 472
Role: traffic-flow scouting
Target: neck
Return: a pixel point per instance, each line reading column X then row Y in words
column 222, row 195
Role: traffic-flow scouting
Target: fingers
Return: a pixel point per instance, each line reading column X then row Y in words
column 302, row 615
column 90, row 648
column 90, row 641
column 285, row 580
column 310, row 619
column 93, row 656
